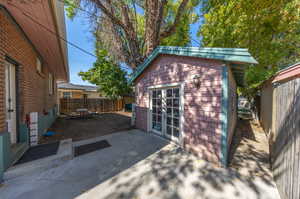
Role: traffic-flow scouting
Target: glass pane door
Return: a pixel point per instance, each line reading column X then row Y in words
column 173, row 113
column 157, row 111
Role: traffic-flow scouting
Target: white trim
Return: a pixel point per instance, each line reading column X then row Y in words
column 149, row 117
column 50, row 83
column 39, row 65
column 180, row 85
column 166, row 85
column 70, row 96
column 182, row 121
column 10, row 101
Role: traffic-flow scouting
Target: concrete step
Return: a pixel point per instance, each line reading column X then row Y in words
column 64, row 153
column 17, row 151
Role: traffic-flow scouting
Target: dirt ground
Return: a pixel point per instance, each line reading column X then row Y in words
column 93, row 126
column 249, row 153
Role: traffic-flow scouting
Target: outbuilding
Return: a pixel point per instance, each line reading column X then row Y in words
column 188, row 95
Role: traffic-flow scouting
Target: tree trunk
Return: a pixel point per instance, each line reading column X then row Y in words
column 134, row 54
column 151, row 31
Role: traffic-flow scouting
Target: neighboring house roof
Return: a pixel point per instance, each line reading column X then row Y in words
column 44, row 25
column 235, row 55
column 289, row 72
column 77, row 87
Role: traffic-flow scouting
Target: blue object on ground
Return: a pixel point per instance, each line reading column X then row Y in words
column 128, row 107
column 49, row 133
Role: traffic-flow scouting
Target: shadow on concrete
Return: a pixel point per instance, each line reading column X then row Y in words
column 249, row 153
column 138, row 165
column 172, row 173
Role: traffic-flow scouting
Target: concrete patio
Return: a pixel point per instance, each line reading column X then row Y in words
column 137, row 166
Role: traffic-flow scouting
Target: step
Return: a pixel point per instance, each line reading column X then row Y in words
column 64, row 153
column 17, row 151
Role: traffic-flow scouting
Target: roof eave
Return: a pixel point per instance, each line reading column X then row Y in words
column 64, row 55
column 224, row 54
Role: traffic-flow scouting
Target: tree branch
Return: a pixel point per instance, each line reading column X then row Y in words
column 170, row 30
column 109, row 14
column 159, row 20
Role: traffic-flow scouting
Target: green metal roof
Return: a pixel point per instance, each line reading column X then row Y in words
column 239, row 55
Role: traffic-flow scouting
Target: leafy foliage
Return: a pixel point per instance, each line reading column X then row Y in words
column 270, row 29
column 130, row 29
column 182, row 35
column 108, row 76
column 71, row 8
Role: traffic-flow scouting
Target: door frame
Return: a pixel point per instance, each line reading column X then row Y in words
column 180, row 85
column 9, row 60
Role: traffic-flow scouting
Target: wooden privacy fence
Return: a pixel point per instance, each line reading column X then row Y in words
column 280, row 118
column 68, row 106
column 286, row 146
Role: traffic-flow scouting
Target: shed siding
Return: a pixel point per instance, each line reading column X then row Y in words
column 202, row 105
column 232, row 107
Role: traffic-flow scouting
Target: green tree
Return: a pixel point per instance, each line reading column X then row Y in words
column 130, row 29
column 108, row 76
column 270, row 29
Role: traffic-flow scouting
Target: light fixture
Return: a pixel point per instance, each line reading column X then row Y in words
column 196, row 80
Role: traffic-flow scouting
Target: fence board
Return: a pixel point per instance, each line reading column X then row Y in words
column 286, row 149
column 68, row 106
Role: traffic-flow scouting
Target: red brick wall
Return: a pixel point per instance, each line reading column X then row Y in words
column 33, row 87
column 202, row 106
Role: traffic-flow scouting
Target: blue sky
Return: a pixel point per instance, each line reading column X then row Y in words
column 78, row 32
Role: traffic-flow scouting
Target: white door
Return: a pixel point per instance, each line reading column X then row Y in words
column 10, row 95
column 165, row 111
column 157, row 111
column 172, row 122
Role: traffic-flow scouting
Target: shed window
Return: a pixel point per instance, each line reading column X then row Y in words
column 51, row 88
column 67, row 94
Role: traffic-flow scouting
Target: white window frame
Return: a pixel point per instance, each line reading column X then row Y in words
column 63, row 95
column 39, row 66
column 51, row 84
column 180, row 85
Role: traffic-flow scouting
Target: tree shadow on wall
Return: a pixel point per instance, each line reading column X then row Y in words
column 285, row 150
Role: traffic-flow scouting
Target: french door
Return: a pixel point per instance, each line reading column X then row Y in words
column 165, row 111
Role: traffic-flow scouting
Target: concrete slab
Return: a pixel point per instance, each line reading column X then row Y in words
column 64, row 152
column 137, row 166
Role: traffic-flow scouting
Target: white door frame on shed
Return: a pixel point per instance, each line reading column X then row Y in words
column 180, row 85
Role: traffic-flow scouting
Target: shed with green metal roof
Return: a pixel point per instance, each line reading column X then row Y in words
column 188, row 95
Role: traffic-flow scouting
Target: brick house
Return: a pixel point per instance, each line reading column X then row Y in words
column 188, row 95
column 32, row 59
column 75, row 91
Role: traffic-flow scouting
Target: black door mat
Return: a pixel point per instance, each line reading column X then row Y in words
column 38, row 152
column 87, row 148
